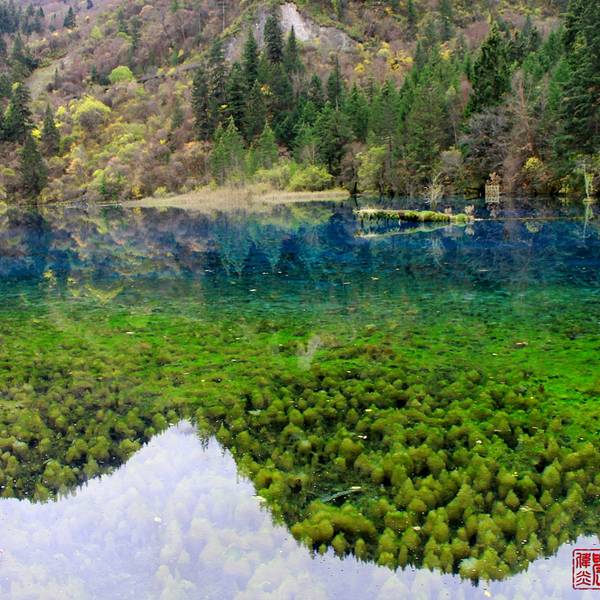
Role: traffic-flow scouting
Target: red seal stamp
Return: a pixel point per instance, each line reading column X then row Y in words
column 586, row 569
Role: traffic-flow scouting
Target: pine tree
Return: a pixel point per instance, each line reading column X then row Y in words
column 411, row 16
column 50, row 134
column 356, row 109
column 527, row 40
column 18, row 122
column 227, row 158
column 217, row 83
column 291, row 55
column 202, row 124
column 427, row 126
column 255, row 113
column 265, row 150
column 491, row 73
column 335, row 85
column 70, row 22
column 580, row 106
column 33, row 170
column 236, row 94
column 281, row 102
column 447, row 19
column 306, row 144
column 5, row 86
column 250, row 61
column 384, row 113
column 273, row 40
column 177, row 115
column 315, row 92
column 333, row 134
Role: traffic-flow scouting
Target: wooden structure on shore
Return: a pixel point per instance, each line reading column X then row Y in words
column 492, row 189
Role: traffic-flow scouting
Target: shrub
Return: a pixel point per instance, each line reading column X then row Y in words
column 312, row 178
column 90, row 113
column 121, row 74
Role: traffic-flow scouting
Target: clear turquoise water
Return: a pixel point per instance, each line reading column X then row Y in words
column 161, row 305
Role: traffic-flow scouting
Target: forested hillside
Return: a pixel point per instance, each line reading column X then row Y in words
column 107, row 100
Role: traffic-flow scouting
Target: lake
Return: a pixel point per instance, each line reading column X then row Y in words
column 297, row 402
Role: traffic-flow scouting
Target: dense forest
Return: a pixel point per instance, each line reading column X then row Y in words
column 108, row 100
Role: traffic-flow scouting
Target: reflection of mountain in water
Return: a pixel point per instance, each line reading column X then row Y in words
column 177, row 522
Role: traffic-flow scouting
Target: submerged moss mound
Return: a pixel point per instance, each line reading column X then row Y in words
column 451, row 470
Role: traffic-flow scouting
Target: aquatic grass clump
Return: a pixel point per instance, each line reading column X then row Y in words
column 412, row 216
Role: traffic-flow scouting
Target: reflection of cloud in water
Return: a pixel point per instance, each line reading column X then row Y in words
column 177, row 522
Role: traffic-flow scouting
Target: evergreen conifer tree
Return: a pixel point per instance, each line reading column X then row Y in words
column 217, row 84
column 227, row 158
column 265, row 151
column 255, row 112
column 335, row 85
column 446, row 19
column 236, row 94
column 70, row 21
column 250, row 61
column 315, row 92
column 581, row 90
column 356, row 108
column 202, row 124
column 291, row 55
column 50, row 134
column 33, row 170
column 273, row 40
column 491, row 72
column 18, row 121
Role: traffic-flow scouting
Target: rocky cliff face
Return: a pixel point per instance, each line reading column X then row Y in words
column 308, row 31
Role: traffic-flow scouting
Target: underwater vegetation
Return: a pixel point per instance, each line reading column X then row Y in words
column 449, row 469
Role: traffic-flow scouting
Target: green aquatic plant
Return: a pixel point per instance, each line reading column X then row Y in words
column 412, row 216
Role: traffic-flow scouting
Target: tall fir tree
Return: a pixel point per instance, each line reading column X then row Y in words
column 50, row 134
column 34, row 174
column 356, row 109
column 411, row 17
column 200, row 105
column 335, row 85
column 333, row 134
column 236, row 94
column 255, row 112
column 580, row 112
column 217, row 84
column 446, row 19
column 273, row 40
column 265, row 149
column 315, row 92
column 70, row 21
column 250, row 60
column 227, row 158
column 491, row 72
column 18, row 121
column 291, row 55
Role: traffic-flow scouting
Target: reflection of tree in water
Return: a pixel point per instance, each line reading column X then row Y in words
column 269, row 239
column 436, row 250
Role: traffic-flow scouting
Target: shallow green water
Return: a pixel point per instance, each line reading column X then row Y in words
column 409, row 396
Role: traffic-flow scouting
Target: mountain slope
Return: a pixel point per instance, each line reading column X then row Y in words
column 119, row 83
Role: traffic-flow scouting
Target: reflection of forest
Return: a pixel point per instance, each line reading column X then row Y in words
column 99, row 250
